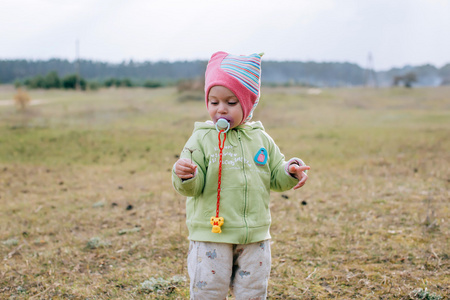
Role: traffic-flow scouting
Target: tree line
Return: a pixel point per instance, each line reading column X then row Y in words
column 153, row 74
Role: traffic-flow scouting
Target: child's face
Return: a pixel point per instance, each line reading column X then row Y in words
column 222, row 103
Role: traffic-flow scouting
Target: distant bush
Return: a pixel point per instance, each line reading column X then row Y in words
column 70, row 82
column 93, row 85
column 152, row 84
column 36, row 82
column 408, row 79
column 110, row 82
column 125, row 82
column 52, row 81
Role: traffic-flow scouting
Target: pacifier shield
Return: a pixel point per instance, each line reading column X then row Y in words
column 222, row 124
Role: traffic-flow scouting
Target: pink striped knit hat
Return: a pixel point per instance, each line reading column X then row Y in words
column 240, row 74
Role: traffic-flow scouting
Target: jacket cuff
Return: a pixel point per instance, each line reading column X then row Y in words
column 293, row 161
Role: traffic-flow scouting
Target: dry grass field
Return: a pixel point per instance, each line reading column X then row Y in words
column 87, row 208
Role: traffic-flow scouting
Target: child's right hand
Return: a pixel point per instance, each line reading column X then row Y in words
column 185, row 169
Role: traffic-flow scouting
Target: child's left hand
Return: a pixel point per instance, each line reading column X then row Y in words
column 297, row 171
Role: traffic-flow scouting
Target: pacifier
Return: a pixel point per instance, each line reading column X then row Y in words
column 222, row 124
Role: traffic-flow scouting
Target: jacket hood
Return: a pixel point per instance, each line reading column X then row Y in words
column 249, row 126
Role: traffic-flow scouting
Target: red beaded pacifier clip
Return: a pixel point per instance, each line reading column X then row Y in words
column 222, row 125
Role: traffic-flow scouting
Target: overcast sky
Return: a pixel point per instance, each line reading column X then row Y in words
column 395, row 32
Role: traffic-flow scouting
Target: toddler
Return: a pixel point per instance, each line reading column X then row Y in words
column 227, row 170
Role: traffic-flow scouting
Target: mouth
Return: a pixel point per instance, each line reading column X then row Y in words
column 229, row 120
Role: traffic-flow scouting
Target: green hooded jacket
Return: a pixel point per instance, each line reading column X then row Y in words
column 252, row 166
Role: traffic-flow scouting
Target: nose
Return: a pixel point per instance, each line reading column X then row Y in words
column 222, row 109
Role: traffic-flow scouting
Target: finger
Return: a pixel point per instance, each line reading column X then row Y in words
column 188, row 167
column 192, row 168
column 185, row 165
column 303, row 178
column 295, row 168
column 303, row 168
column 301, row 182
column 185, row 173
column 299, row 185
column 183, row 162
column 185, row 176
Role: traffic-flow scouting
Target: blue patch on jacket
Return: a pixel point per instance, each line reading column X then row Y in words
column 261, row 157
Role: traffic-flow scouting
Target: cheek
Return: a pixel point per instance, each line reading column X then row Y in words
column 210, row 109
column 239, row 112
column 237, row 116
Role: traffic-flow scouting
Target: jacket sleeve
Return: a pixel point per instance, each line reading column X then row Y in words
column 193, row 186
column 280, row 179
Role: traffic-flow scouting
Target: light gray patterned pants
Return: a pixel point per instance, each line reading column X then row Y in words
column 215, row 267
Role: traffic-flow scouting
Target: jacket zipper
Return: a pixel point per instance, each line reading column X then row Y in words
column 245, row 188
